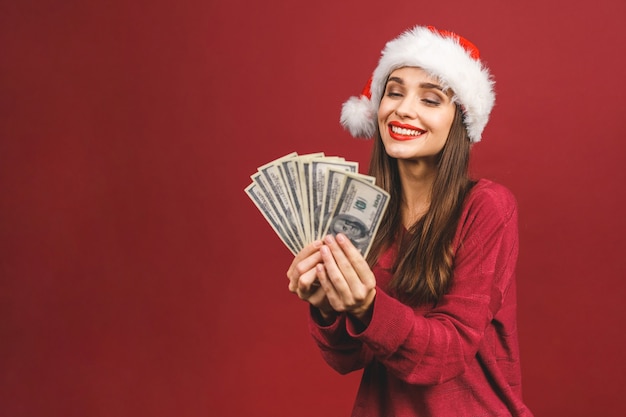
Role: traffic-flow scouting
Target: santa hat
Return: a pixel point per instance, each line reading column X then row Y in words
column 453, row 60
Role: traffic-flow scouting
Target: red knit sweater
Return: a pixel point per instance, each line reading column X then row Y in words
column 458, row 358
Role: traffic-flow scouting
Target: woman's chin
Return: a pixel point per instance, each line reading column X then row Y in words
column 399, row 151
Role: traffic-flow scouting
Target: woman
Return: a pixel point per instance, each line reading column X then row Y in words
column 430, row 315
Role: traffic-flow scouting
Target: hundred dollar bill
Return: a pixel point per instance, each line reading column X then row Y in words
column 260, row 200
column 304, row 165
column 274, row 176
column 288, row 223
column 292, row 174
column 334, row 182
column 319, row 170
column 358, row 212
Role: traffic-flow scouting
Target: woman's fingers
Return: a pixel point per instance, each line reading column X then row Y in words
column 317, row 297
column 303, row 262
column 347, row 279
column 307, row 283
column 333, row 275
column 307, row 251
column 357, row 261
column 329, row 289
column 337, row 270
column 351, row 263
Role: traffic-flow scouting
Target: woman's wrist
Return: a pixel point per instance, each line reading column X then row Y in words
column 364, row 313
column 324, row 316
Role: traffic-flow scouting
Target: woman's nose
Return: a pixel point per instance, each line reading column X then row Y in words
column 407, row 108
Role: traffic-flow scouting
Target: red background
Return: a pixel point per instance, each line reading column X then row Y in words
column 137, row 279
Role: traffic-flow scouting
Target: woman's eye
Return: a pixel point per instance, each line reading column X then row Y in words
column 431, row 102
column 393, row 94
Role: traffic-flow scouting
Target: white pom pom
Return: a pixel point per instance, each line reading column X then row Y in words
column 358, row 117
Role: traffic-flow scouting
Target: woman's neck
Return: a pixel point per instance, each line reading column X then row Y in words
column 417, row 179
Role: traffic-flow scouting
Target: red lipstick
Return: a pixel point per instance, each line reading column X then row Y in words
column 415, row 132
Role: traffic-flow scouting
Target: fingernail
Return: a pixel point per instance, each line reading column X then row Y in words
column 324, row 250
column 340, row 238
column 317, row 243
column 329, row 239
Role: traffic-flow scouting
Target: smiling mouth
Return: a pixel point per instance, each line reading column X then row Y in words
column 406, row 132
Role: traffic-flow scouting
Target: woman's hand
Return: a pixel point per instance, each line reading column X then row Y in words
column 348, row 282
column 303, row 279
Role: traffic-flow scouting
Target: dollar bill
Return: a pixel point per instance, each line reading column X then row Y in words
column 333, row 185
column 293, row 173
column 304, row 197
column 289, row 170
column 287, row 223
column 261, row 201
column 319, row 170
column 304, row 166
column 275, row 179
column 358, row 212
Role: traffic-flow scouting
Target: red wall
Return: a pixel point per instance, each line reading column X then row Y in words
column 137, row 279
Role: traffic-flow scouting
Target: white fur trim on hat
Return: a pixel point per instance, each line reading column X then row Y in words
column 357, row 115
column 443, row 57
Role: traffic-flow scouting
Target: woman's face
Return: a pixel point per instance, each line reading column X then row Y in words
column 415, row 115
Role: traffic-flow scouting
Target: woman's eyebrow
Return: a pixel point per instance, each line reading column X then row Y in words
column 431, row 86
column 425, row 86
column 396, row 79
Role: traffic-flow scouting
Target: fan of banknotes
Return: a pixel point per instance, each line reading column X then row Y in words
column 306, row 197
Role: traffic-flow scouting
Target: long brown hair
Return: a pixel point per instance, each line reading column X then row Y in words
column 423, row 268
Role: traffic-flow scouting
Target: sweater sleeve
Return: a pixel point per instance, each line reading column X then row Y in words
column 433, row 346
column 341, row 351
